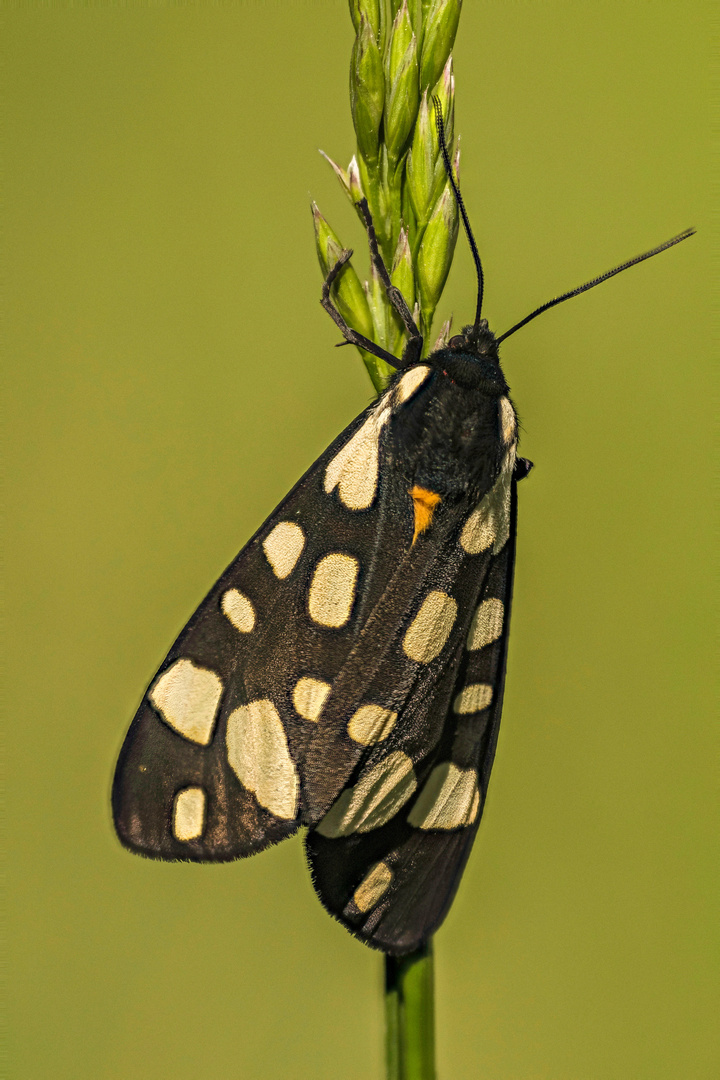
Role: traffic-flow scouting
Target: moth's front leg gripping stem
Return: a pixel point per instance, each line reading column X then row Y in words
column 350, row 335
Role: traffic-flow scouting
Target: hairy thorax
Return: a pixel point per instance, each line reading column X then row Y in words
column 452, row 437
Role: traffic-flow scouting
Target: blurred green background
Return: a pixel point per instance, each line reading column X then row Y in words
column 172, row 375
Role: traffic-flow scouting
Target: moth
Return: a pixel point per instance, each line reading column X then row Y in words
column 346, row 672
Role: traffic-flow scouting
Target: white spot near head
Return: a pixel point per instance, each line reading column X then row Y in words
column 283, row 546
column 309, row 697
column 371, row 724
column 354, row 469
column 377, row 797
column 489, row 523
column 508, row 421
column 187, row 698
column 258, row 753
column 409, row 383
column 239, row 610
column 189, row 814
column 487, row 623
column 430, row 629
column 450, row 798
column 332, row 589
column 373, row 887
column 473, row 698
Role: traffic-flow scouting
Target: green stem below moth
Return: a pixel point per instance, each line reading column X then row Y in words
column 410, row 1015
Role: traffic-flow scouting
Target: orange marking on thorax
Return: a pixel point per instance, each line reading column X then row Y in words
column 424, row 503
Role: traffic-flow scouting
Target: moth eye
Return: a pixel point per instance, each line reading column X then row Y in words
column 456, row 341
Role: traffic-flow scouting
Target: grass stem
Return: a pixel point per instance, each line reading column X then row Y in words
column 410, row 1015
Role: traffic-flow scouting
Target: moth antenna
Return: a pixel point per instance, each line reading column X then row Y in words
column 596, row 281
column 461, row 205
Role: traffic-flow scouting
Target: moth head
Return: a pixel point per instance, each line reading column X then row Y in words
column 478, row 340
column 471, row 360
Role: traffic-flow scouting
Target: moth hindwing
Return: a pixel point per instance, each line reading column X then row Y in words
column 346, row 671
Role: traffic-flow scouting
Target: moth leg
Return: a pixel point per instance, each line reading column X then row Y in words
column 522, row 467
column 351, row 336
column 413, row 349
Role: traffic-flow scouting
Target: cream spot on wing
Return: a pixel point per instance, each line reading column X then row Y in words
column 377, row 796
column 354, row 469
column 309, row 696
column 449, row 798
column 373, row 886
column 430, row 629
column 187, row 698
column 508, row 421
column 257, row 750
column 239, row 610
column 189, row 814
column 332, row 589
column 282, row 547
column 371, row 724
column 473, row 698
column 489, row 523
column 410, row 383
column 487, row 623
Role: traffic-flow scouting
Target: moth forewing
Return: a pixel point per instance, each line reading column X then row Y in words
column 213, row 764
column 238, row 648
column 388, row 864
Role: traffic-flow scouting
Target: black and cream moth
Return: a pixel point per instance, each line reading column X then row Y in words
column 346, row 671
